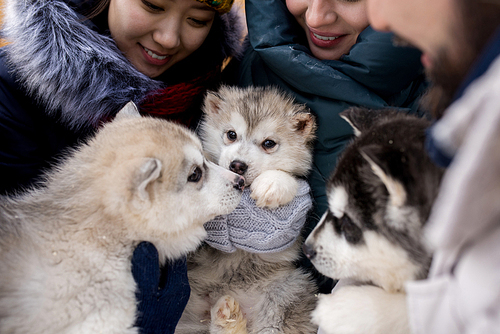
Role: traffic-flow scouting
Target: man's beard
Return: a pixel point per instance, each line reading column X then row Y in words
column 445, row 76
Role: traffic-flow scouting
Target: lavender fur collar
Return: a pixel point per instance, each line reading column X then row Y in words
column 72, row 69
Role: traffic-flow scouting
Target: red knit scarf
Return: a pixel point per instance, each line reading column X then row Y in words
column 174, row 102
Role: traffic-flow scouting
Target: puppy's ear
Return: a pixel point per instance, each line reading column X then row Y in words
column 361, row 118
column 305, row 124
column 128, row 111
column 148, row 172
column 212, row 103
column 380, row 167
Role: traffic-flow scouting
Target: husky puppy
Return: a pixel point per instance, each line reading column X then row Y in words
column 265, row 136
column 66, row 247
column 379, row 196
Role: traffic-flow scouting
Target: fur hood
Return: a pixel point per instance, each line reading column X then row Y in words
column 56, row 57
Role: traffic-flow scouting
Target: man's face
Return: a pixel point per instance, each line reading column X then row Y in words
column 436, row 27
column 430, row 25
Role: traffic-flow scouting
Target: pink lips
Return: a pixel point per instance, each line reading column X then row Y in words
column 155, row 61
column 329, row 40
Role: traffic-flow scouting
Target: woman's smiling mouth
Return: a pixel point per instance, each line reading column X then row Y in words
column 154, row 58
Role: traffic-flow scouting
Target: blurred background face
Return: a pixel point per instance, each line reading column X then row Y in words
column 156, row 34
column 450, row 34
column 331, row 26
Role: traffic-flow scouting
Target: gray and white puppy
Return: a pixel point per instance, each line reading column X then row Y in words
column 379, row 196
column 263, row 135
column 66, row 247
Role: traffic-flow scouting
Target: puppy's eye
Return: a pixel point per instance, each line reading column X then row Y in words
column 196, row 175
column 351, row 231
column 231, row 135
column 267, row 144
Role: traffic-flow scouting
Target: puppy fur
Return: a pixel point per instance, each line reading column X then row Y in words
column 380, row 196
column 265, row 136
column 66, row 247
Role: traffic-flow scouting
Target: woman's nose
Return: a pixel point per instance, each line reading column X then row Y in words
column 167, row 34
column 321, row 13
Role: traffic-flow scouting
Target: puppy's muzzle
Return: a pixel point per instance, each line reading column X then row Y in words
column 236, row 180
column 309, row 251
column 239, row 183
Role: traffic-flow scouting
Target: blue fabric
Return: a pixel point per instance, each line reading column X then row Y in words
column 437, row 155
column 30, row 140
column 162, row 292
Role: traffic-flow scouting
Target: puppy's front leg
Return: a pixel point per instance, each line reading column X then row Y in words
column 362, row 309
column 273, row 188
column 227, row 317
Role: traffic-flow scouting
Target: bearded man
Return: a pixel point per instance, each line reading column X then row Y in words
column 460, row 41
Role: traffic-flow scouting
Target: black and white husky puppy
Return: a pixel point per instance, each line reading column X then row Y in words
column 244, row 279
column 379, row 196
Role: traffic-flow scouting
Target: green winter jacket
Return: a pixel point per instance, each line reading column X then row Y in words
column 375, row 74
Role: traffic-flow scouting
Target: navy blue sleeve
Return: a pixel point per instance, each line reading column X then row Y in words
column 30, row 140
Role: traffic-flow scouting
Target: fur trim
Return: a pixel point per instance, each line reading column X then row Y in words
column 233, row 28
column 57, row 58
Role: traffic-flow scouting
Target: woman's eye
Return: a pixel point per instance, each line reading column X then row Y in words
column 267, row 144
column 196, row 175
column 151, row 6
column 198, row 23
column 231, row 135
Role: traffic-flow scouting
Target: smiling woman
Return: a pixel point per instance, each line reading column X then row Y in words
column 331, row 27
column 155, row 35
column 71, row 65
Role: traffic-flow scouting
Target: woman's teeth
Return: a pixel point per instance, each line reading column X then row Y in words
column 154, row 55
column 324, row 38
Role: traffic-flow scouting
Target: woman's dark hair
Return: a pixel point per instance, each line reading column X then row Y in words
column 96, row 9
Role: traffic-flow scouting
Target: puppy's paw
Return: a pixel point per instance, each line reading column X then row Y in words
column 227, row 317
column 361, row 309
column 273, row 188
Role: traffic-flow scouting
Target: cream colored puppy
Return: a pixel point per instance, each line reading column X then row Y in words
column 267, row 137
column 66, row 248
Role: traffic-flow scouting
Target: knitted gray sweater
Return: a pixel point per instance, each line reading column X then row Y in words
column 259, row 230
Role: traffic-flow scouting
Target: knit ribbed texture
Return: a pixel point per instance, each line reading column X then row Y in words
column 259, row 230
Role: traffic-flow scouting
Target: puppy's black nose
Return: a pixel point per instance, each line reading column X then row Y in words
column 239, row 183
column 238, row 167
column 309, row 251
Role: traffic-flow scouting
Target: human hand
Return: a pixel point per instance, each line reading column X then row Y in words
column 162, row 293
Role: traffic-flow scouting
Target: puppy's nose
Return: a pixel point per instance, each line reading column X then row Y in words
column 309, row 251
column 239, row 183
column 238, row 167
